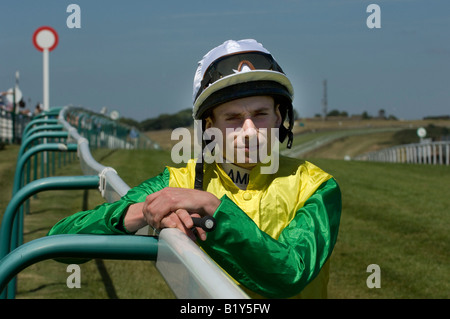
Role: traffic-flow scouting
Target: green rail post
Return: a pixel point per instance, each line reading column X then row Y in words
column 38, row 122
column 18, row 177
column 39, row 125
column 30, row 139
column 22, row 160
column 49, row 127
column 44, row 184
column 8, row 230
column 124, row 247
column 53, row 112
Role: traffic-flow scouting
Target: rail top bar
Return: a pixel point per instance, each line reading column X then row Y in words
column 178, row 255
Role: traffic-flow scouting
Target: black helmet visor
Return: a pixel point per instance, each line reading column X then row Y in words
column 233, row 63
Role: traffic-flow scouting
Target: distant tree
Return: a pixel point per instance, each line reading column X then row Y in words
column 365, row 115
column 392, row 117
column 334, row 113
column 168, row 121
column 129, row 122
column 439, row 117
column 337, row 113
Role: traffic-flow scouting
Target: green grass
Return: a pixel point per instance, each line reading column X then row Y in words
column 394, row 215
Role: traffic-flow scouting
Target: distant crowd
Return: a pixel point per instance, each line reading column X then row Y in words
column 7, row 105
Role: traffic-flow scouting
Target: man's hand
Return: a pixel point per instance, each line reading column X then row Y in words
column 173, row 208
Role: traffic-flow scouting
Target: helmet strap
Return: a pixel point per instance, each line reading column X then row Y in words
column 198, row 182
column 287, row 132
column 199, row 174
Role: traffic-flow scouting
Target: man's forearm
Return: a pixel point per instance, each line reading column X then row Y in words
column 134, row 218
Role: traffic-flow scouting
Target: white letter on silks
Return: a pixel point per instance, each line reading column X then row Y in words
column 74, row 20
column 374, row 20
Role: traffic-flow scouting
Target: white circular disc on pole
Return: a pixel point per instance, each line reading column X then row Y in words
column 421, row 132
column 45, row 38
column 114, row 115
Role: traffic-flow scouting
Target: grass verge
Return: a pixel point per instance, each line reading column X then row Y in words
column 395, row 216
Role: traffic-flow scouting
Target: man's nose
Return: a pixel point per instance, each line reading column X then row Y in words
column 249, row 126
column 249, row 129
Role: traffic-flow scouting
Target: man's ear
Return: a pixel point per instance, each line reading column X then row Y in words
column 208, row 122
column 278, row 115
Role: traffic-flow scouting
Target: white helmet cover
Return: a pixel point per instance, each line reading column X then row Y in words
column 241, row 75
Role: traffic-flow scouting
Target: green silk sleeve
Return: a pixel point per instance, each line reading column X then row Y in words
column 107, row 219
column 277, row 268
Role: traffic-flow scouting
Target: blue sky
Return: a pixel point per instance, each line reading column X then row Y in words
column 139, row 57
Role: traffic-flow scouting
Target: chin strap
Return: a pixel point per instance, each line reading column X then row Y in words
column 287, row 132
column 284, row 132
column 199, row 173
column 198, row 182
column 290, row 139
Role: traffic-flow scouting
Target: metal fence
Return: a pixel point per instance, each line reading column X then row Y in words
column 188, row 271
column 437, row 153
column 101, row 131
column 12, row 126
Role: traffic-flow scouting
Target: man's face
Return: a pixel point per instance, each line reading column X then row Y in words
column 246, row 127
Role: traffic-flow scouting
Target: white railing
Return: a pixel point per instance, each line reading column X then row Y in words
column 419, row 153
column 188, row 271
